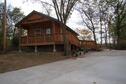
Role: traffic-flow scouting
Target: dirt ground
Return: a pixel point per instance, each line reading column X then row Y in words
column 15, row 61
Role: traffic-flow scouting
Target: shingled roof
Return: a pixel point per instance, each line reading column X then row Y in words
column 51, row 18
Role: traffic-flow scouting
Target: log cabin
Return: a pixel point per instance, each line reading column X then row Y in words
column 38, row 30
column 89, row 44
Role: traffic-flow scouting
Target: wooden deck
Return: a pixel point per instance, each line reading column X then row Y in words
column 89, row 44
column 48, row 40
column 74, row 40
column 38, row 29
column 40, row 40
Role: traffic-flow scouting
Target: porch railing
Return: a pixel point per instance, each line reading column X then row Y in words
column 41, row 39
column 46, row 39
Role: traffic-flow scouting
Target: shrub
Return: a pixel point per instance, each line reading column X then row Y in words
column 15, row 41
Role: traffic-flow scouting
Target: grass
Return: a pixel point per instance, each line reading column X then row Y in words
column 15, row 61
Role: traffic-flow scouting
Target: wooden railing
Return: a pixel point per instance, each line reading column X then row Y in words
column 89, row 44
column 74, row 40
column 46, row 39
column 41, row 40
column 58, row 37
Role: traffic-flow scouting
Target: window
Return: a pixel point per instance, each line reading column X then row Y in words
column 24, row 32
column 48, row 31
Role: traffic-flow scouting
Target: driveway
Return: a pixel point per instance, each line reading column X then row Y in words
column 106, row 67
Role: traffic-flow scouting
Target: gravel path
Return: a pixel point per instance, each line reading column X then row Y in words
column 106, row 67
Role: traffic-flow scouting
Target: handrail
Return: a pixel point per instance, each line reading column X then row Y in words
column 57, row 38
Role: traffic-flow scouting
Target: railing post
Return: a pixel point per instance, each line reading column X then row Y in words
column 44, row 38
column 35, row 40
column 27, row 39
column 36, row 49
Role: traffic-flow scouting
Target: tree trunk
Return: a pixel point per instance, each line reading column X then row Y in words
column 101, row 30
column 118, row 39
column 94, row 36
column 5, row 28
column 65, row 40
column 106, row 36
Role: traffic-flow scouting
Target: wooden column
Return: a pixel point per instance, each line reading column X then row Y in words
column 70, row 50
column 36, row 49
column 54, row 48
column 53, row 27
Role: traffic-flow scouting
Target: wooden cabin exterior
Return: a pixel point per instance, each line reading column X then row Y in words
column 38, row 29
column 89, row 44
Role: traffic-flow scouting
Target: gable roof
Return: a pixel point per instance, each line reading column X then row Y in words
column 41, row 14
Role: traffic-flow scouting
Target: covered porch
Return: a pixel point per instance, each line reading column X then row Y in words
column 42, row 33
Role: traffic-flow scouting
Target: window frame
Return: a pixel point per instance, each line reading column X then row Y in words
column 48, row 31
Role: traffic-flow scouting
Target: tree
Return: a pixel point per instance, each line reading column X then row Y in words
column 13, row 16
column 96, row 16
column 1, row 22
column 120, row 15
column 0, row 33
column 102, row 7
column 3, row 25
column 119, row 18
column 63, row 10
column 47, row 8
column 89, row 14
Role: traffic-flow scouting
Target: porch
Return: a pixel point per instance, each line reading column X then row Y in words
column 42, row 40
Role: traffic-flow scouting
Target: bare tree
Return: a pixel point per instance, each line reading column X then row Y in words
column 95, row 16
column 63, row 10
column 47, row 7
column 102, row 9
column 88, row 14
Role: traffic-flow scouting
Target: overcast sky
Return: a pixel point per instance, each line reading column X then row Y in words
column 28, row 7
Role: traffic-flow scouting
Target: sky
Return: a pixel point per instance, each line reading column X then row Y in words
column 28, row 7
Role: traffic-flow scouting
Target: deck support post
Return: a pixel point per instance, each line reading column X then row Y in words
column 36, row 49
column 69, row 49
column 19, row 50
column 54, row 48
